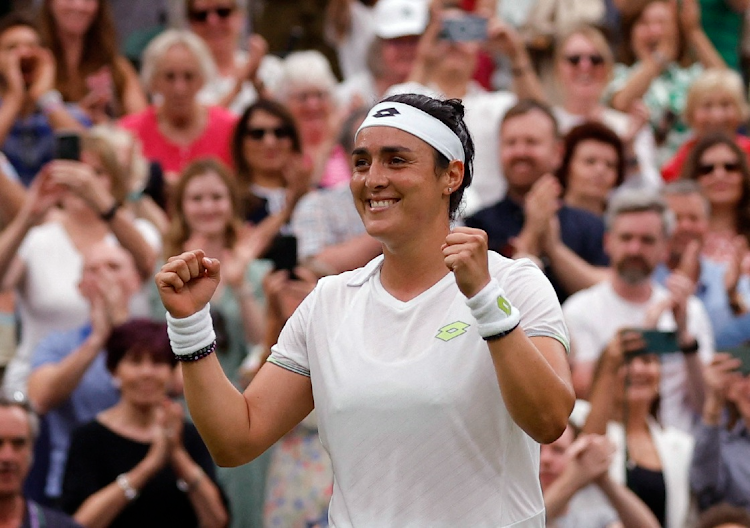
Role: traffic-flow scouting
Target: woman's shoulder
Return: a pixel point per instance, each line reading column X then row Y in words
column 138, row 120
column 219, row 116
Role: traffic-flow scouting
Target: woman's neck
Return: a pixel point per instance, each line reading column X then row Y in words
column 269, row 179
column 72, row 46
column 414, row 266
column 137, row 418
column 453, row 86
column 723, row 219
column 582, row 107
column 181, row 121
column 213, row 245
column 636, row 418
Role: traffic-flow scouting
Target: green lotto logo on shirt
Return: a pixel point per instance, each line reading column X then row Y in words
column 452, row 330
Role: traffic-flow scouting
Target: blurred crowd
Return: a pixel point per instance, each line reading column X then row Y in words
column 611, row 149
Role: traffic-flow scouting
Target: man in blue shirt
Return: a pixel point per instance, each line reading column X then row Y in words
column 69, row 381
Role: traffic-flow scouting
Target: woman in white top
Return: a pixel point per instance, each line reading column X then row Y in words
column 435, row 370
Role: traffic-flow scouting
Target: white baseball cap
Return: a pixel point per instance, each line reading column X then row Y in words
column 400, row 18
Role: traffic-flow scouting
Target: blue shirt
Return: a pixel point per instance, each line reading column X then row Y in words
column 729, row 330
column 581, row 231
column 30, row 142
column 95, row 393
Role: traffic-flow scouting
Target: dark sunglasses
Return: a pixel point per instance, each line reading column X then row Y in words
column 708, row 168
column 575, row 60
column 259, row 133
column 202, row 15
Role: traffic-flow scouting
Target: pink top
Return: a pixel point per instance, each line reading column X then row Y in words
column 214, row 142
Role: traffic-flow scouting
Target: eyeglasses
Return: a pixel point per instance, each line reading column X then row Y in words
column 259, row 133
column 201, row 15
column 594, row 59
column 705, row 169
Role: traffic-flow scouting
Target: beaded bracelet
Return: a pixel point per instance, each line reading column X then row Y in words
column 198, row 354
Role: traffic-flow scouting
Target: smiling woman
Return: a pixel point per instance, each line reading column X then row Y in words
column 444, row 389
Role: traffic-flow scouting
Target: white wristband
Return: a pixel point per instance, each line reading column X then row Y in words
column 495, row 316
column 192, row 333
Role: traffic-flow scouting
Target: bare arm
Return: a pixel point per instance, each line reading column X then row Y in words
column 502, row 38
column 637, row 84
column 631, row 510
column 202, row 492
column 12, row 197
column 347, row 255
column 133, row 98
column 572, row 271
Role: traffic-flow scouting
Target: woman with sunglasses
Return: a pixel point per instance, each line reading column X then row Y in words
column 432, row 385
column 90, row 71
column 657, row 67
column 583, row 67
column 178, row 128
column 720, row 167
column 242, row 75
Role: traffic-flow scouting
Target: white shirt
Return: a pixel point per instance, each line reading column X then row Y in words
column 408, row 402
column 596, row 314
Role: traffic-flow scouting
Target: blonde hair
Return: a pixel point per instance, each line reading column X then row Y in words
column 105, row 152
column 593, row 35
column 305, row 68
column 712, row 80
column 136, row 164
column 158, row 47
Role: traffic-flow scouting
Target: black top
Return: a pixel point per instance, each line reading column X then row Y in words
column 582, row 231
column 97, row 455
column 38, row 516
column 650, row 488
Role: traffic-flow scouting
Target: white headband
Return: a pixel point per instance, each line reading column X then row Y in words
column 417, row 123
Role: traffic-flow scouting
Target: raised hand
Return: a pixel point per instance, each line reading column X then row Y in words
column 44, row 194
column 84, row 182
column 465, row 254
column 187, row 282
column 44, row 73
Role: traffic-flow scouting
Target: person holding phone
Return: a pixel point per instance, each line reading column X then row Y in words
column 721, row 461
column 638, row 223
column 43, row 262
column 461, row 377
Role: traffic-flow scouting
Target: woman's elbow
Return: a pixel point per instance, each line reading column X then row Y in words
column 552, row 422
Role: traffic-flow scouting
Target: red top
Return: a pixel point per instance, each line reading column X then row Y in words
column 672, row 169
column 214, row 142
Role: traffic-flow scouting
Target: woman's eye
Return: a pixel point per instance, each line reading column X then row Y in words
column 360, row 162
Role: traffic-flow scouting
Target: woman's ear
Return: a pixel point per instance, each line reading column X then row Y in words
column 454, row 175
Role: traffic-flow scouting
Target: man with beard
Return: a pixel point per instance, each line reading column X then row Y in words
column 638, row 223
column 531, row 221
column 18, row 429
column 722, row 287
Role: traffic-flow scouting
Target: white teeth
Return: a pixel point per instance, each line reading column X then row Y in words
column 381, row 203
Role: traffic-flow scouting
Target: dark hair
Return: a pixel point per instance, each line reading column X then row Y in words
column 139, row 336
column 178, row 231
column 721, row 514
column 16, row 19
column 591, row 131
column 99, row 49
column 243, row 170
column 451, row 113
column 627, row 55
column 526, row 106
column 690, row 172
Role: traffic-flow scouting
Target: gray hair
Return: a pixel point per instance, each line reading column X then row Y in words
column 158, row 47
column 305, row 68
column 18, row 399
column 686, row 188
column 638, row 200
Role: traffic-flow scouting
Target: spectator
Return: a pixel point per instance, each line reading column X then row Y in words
column 178, row 128
column 651, row 458
column 593, row 165
column 69, row 382
column 447, row 67
column 267, row 152
column 331, row 237
column 349, row 27
column 578, row 491
column 31, row 110
column 19, row 427
column 139, row 463
column 518, row 226
column 636, row 242
column 583, row 67
column 43, row 264
column 306, row 87
column 715, row 103
column 723, row 289
column 90, row 71
column 721, row 460
column 721, row 169
column 242, row 74
column 391, row 53
column 656, row 66
column 724, row 516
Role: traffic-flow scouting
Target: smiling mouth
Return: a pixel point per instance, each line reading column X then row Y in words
column 381, row 204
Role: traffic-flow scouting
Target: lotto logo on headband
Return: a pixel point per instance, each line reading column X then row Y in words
column 386, row 112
